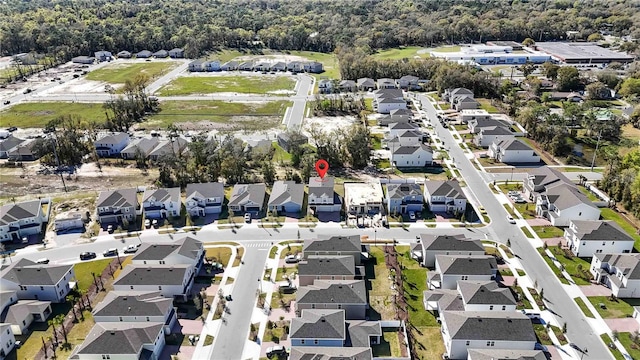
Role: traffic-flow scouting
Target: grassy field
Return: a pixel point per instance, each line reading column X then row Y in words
column 446, row 49
column 620, row 308
column 608, row 214
column 389, row 345
column 486, row 105
column 380, row 293
column 83, row 271
column 36, row 115
column 408, row 52
column 224, row 55
column 235, row 84
column 118, row 73
column 630, row 132
column 232, row 115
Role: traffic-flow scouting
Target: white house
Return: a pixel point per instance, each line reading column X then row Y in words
column 451, row 268
column 465, row 103
column 122, row 341
column 196, row 66
column 586, row 238
column 136, row 307
column 512, row 151
column 210, row 66
column 161, row 203
column 172, row 281
column 38, row 281
column 540, row 178
column 433, row 245
column 397, row 128
column 23, row 313
column 204, row 198
column 18, row 220
column 68, row 221
column 247, row 198
column 386, row 105
column 114, row 206
column 139, row 148
column 322, row 197
column 493, row 354
column 173, row 147
column 487, row 136
column 412, row 156
column 363, row 198
column 403, row 198
column 405, row 137
column 325, row 86
column 470, row 296
column 620, row 272
column 466, row 330
column 7, row 339
column 564, row 202
column 445, row 196
column 111, row 144
column 385, row 83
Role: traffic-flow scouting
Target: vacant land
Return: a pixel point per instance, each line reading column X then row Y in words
column 329, row 62
column 36, row 115
column 630, row 132
column 235, row 84
column 401, row 53
column 118, row 73
column 219, row 115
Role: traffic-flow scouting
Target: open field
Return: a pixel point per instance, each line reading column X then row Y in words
column 118, row 73
column 630, row 132
column 219, row 115
column 36, row 115
column 446, row 49
column 409, row 52
column 235, row 84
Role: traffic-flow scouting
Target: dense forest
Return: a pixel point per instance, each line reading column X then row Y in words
column 74, row 27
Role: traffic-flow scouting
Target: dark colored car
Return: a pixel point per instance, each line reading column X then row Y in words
column 87, row 255
column 7, row 102
column 110, row 252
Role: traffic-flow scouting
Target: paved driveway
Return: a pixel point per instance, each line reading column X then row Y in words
column 191, row 327
column 623, row 325
column 595, row 290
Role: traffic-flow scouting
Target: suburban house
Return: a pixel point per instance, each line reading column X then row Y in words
column 479, row 119
column 114, row 206
column 404, row 138
column 385, row 83
column 466, row 330
column 68, row 221
column 363, row 198
column 161, row 203
column 506, row 354
column 7, row 339
column 348, row 85
column 8, row 144
column 124, row 54
column 161, row 54
column 512, row 151
column 111, row 144
column 489, row 135
column 288, row 140
column 565, row 96
column 401, row 113
column 313, row 67
column 325, row 86
column 564, row 202
column 173, row 147
column 408, row 82
column 295, row 66
column 144, row 54
column 348, row 295
column 470, row 296
column 246, row 66
column 23, row 152
column 451, row 268
column 279, row 66
column 262, row 66
column 110, row 340
column 136, row 307
column 396, row 128
column 103, row 55
column 619, row 272
column 23, row 313
column 366, row 84
column 176, row 53
column 319, row 327
column 196, row 66
column 452, row 95
column 403, row 198
column 330, row 353
column 186, row 251
column 334, row 267
column 32, row 281
column 586, row 238
column 247, row 198
column 465, row 103
column 334, row 245
column 444, row 196
column 229, row 66
column 204, row 198
column 321, row 197
column 88, row 60
column 538, row 179
column 19, row 220
column 412, row 156
column 211, row 66
column 433, row 245
column 386, row 105
column 286, row 197
column 387, row 120
column 172, row 281
column 139, row 148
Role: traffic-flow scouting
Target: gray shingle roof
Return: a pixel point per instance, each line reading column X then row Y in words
column 10, row 213
column 113, row 138
column 117, row 198
column 385, row 100
column 447, row 299
column 466, row 265
column 122, row 303
column 503, row 354
column 449, row 188
column 334, row 243
column 412, row 149
column 286, row 191
column 162, row 194
column 399, row 191
column 513, row 144
column 330, row 353
column 119, row 338
column 403, row 126
column 333, row 292
column 26, row 272
column 327, row 265
column 545, row 176
column 152, row 275
column 205, row 190
column 447, row 242
column 318, row 324
column 360, row 332
column 169, row 147
column 187, row 247
column 564, row 196
column 485, row 293
column 366, row 81
column 488, row 325
column 495, row 130
column 244, row 192
column 22, row 309
column 628, row 264
column 144, row 145
column 598, row 230
column 9, row 143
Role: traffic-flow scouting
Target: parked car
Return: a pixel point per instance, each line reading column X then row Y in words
column 129, row 249
column 276, row 351
column 155, row 223
column 147, row 223
column 247, row 217
column 110, row 229
column 110, row 252
column 42, row 261
column 87, row 255
column 12, row 129
column 482, row 210
column 26, row 91
column 539, row 346
column 7, row 102
column 412, row 215
column 510, row 219
column 292, row 259
column 18, row 344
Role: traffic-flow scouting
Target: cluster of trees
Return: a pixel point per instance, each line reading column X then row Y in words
column 621, row 180
column 124, row 111
column 74, row 28
column 343, row 147
column 338, row 105
column 68, row 144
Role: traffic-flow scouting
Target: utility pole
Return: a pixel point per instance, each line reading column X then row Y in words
column 593, row 162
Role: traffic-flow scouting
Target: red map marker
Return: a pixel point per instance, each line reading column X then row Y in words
column 322, row 166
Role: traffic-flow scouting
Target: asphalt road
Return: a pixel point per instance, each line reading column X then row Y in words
column 295, row 115
column 566, row 310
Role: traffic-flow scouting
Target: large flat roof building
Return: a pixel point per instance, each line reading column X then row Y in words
column 581, row 53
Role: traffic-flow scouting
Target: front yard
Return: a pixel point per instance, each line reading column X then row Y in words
column 577, row 267
column 547, row 232
column 613, row 308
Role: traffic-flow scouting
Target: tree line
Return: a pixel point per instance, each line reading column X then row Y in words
column 80, row 27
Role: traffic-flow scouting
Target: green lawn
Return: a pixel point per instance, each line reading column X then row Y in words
column 389, row 345
column 376, row 141
column 553, row 267
column 541, row 333
column 446, row 49
column 558, row 332
column 616, row 353
column 417, row 314
column 486, row 105
column 229, row 115
column 526, row 232
column 632, row 348
column 233, row 84
column 118, row 73
column 609, row 214
column 224, row 55
column 280, row 155
column 620, row 308
column 517, row 186
column 408, row 52
column 577, row 267
column 528, row 210
column 83, row 271
column 583, row 307
column 38, row 114
column 546, row 232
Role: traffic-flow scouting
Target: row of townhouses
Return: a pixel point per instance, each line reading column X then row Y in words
column 293, row 66
column 103, row 55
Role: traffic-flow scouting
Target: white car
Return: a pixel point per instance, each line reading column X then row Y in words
column 147, row 223
column 129, row 249
column 412, row 215
column 510, row 219
column 247, row 217
column 42, row 261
